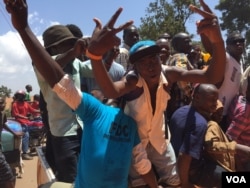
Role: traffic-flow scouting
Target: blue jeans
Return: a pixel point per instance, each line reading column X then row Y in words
column 25, row 139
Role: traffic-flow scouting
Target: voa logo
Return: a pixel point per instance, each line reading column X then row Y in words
column 236, row 179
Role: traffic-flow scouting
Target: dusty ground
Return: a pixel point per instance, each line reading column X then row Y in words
column 29, row 179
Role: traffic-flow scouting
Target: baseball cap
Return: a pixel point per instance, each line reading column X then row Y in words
column 141, row 49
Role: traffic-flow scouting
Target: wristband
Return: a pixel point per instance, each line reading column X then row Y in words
column 92, row 56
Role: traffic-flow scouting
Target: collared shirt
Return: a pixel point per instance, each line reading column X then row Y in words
column 123, row 56
column 151, row 126
column 62, row 119
column 239, row 119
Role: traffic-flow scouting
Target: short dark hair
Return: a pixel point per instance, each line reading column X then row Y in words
column 232, row 37
column 128, row 29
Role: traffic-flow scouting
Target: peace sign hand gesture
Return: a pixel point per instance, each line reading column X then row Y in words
column 208, row 27
column 104, row 38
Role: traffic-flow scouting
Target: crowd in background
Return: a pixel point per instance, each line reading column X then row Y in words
column 188, row 102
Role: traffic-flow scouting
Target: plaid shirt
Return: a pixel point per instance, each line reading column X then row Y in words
column 239, row 120
column 180, row 91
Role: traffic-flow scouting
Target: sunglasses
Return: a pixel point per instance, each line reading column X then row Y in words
column 236, row 41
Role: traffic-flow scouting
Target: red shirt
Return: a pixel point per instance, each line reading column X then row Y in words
column 22, row 108
column 35, row 105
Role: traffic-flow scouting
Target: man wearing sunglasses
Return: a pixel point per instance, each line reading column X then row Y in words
column 229, row 87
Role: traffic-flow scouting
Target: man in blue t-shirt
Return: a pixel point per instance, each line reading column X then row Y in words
column 110, row 141
column 113, row 132
column 188, row 126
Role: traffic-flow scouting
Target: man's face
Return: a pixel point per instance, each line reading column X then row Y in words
column 165, row 49
column 149, row 68
column 236, row 47
column 131, row 37
column 208, row 101
column 186, row 45
column 29, row 88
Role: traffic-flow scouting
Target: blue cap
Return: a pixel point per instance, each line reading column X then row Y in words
column 141, row 49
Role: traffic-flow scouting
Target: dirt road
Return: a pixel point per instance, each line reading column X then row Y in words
column 29, row 179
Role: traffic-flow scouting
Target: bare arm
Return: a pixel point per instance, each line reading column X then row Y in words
column 49, row 69
column 183, row 164
column 79, row 49
column 150, row 179
column 209, row 29
column 110, row 89
column 101, row 41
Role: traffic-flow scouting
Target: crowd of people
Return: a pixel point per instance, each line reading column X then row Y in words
column 152, row 113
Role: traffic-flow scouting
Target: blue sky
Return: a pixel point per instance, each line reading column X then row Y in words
column 15, row 65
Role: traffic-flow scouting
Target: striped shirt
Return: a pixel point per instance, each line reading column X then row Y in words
column 239, row 120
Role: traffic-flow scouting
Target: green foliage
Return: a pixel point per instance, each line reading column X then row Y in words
column 8, row 113
column 165, row 16
column 5, row 91
column 235, row 16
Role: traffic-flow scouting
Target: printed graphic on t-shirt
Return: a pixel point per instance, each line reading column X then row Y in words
column 233, row 75
column 119, row 132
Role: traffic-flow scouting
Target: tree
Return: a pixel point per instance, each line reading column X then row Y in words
column 165, row 16
column 5, row 91
column 235, row 16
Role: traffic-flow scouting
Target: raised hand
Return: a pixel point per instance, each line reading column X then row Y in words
column 104, row 39
column 81, row 46
column 19, row 13
column 208, row 27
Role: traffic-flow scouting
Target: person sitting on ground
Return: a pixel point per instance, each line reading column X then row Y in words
column 110, row 137
column 7, row 178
